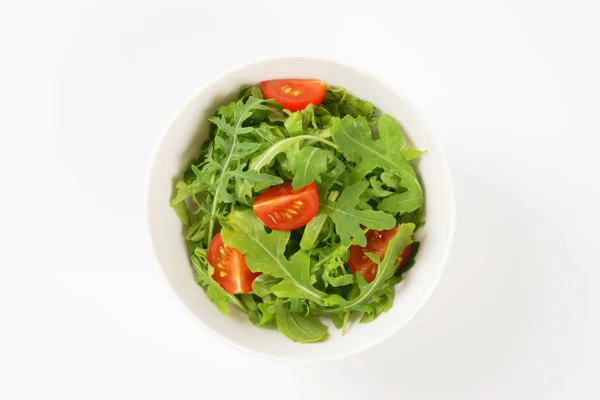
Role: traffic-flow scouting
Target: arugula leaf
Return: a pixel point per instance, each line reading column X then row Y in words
column 312, row 231
column 283, row 146
column 339, row 280
column 383, row 300
column 250, row 90
column 265, row 253
column 275, row 114
column 390, row 180
column 254, row 177
column 298, row 122
column 337, row 319
column 243, row 191
column 196, row 232
column 385, row 269
column 267, row 314
column 377, row 190
column 401, row 203
column 248, row 181
column 185, row 190
column 322, row 117
column 410, row 154
column 308, row 165
column 339, row 103
column 298, row 327
column 354, row 137
column 242, row 112
column 348, row 219
column 258, row 313
column 356, row 107
column 332, row 262
column 329, row 253
column 263, row 284
column 182, row 212
column 215, row 292
column 267, row 135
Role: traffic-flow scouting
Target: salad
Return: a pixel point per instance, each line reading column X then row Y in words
column 301, row 207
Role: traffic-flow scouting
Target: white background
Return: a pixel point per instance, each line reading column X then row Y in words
column 511, row 90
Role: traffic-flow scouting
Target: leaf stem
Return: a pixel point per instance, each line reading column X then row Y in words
column 234, row 299
column 346, row 319
column 224, row 172
column 213, row 211
column 324, row 134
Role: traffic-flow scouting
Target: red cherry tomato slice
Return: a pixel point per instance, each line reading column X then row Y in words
column 231, row 271
column 282, row 208
column 377, row 243
column 294, row 94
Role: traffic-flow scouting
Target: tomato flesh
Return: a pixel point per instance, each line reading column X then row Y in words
column 377, row 243
column 294, row 94
column 231, row 271
column 282, row 208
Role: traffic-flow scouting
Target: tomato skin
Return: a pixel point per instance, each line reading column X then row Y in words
column 377, row 243
column 294, row 94
column 282, row 208
column 231, row 270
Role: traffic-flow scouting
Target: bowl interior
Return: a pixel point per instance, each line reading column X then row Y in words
column 180, row 144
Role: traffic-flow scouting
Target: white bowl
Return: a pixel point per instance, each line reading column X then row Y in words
column 180, row 144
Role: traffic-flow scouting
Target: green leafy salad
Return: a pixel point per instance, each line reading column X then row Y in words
column 301, row 208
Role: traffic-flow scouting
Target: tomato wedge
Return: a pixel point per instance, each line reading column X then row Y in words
column 377, row 243
column 282, row 208
column 231, row 271
column 294, row 94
